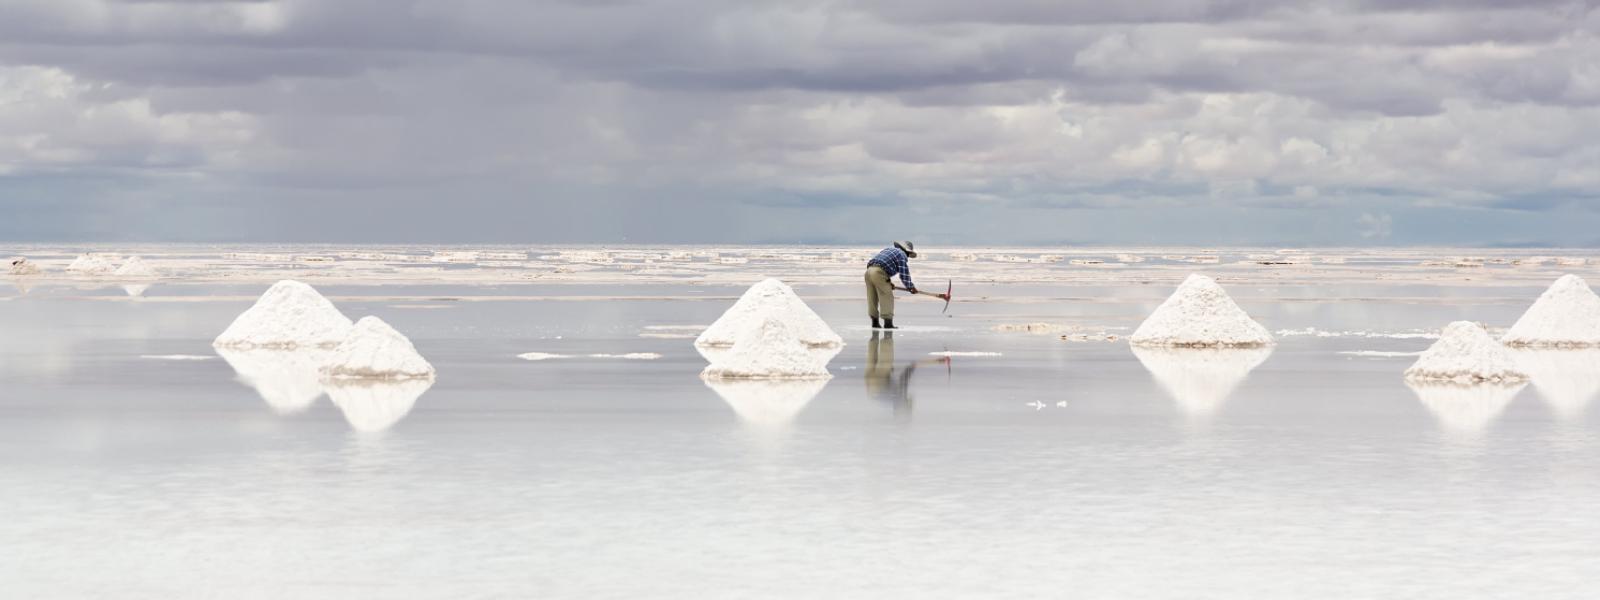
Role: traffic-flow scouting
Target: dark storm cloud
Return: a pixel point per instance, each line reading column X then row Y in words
column 739, row 112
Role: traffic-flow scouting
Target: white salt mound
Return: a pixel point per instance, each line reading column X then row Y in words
column 290, row 315
column 769, row 298
column 820, row 355
column 1566, row 315
column 135, row 268
column 374, row 350
column 1465, row 353
column 771, row 350
column 1200, row 314
column 90, row 264
column 21, row 266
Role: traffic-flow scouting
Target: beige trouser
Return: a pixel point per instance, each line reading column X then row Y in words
column 880, row 363
column 880, row 294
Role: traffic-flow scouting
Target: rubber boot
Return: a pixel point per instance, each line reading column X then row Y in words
column 889, row 324
column 875, row 324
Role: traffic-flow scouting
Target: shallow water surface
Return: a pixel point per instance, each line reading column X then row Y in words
column 1055, row 469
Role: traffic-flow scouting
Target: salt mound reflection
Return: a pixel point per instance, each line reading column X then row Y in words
column 767, row 403
column 1200, row 379
column 287, row 379
column 372, row 405
column 1464, row 408
column 1567, row 379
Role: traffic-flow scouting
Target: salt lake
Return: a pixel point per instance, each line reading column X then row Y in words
column 137, row 463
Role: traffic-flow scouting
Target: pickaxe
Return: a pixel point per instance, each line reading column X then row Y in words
column 949, row 286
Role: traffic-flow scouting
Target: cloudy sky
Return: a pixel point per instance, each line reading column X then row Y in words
column 945, row 121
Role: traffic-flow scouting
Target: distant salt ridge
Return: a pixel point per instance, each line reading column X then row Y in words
column 1466, row 354
column 289, row 315
column 1565, row 315
column 374, row 350
column 1200, row 314
column 775, row 299
column 770, row 350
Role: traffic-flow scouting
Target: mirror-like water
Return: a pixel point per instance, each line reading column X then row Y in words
column 137, row 463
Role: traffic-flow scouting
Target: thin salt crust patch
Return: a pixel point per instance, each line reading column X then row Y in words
column 1379, row 353
column 1415, row 334
column 1041, row 328
column 628, row 356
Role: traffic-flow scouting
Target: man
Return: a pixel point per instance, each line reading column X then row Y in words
column 880, row 293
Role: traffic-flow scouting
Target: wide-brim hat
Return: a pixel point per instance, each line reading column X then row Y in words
column 908, row 248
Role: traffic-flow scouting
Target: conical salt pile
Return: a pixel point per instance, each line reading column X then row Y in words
column 374, row 350
column 90, row 264
column 21, row 266
column 769, row 298
column 290, row 315
column 1200, row 314
column 1466, row 354
column 135, row 268
column 1566, row 315
column 770, row 350
column 820, row 355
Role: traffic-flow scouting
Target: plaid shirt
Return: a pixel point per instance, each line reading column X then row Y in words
column 893, row 261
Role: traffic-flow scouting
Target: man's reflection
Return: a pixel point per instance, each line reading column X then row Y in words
column 883, row 382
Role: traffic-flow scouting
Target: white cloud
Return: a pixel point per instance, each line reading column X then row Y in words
column 1207, row 103
column 1376, row 226
column 52, row 120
